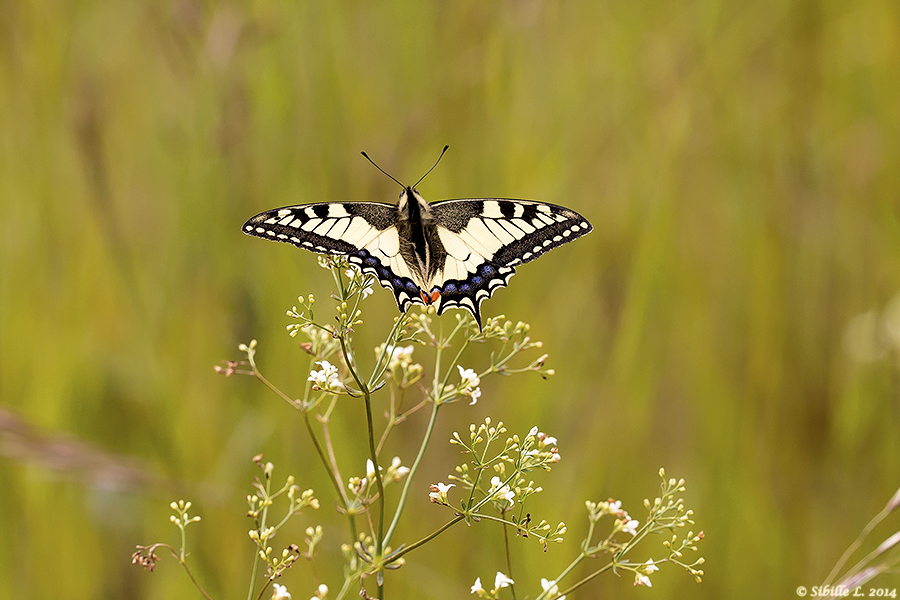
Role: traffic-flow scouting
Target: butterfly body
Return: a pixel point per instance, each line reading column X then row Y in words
column 451, row 253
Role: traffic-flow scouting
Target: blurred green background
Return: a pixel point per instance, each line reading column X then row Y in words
column 733, row 317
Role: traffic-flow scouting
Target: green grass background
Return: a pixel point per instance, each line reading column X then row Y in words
column 739, row 163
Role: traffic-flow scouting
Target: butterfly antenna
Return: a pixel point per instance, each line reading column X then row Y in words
column 382, row 170
column 432, row 168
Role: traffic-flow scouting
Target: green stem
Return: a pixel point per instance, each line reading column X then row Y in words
column 585, row 553
column 478, row 471
column 324, row 459
column 425, row 539
column 509, row 571
column 260, row 528
column 383, row 360
column 577, row 585
column 331, row 469
column 379, row 539
column 196, row 584
column 412, row 472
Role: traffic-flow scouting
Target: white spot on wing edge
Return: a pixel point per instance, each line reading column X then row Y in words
column 337, row 210
column 492, row 210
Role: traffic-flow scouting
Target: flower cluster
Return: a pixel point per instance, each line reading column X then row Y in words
column 400, row 366
column 364, row 488
column 469, row 384
column 327, row 378
column 493, row 483
column 358, row 282
column 262, row 534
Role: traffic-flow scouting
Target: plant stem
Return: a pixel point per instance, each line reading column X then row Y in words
column 197, row 585
column 512, row 588
column 412, row 472
column 427, row 538
column 577, row 585
column 379, row 539
column 260, row 528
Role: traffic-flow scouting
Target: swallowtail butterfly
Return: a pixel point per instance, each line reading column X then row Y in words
column 450, row 253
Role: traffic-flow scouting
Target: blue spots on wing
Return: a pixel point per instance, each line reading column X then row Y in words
column 406, row 292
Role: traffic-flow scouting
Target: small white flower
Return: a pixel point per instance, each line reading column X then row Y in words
column 631, row 526
column 534, row 431
column 398, row 467
column 370, row 469
column 502, row 581
column 469, row 377
column 649, row 567
column 469, row 384
column 615, row 507
column 352, row 273
column 401, row 355
column 280, row 592
column 323, row 589
column 327, row 378
column 439, row 492
column 552, row 590
column 501, row 492
column 642, row 580
column 476, row 587
column 475, row 395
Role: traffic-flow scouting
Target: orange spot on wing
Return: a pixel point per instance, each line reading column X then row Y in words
column 435, row 294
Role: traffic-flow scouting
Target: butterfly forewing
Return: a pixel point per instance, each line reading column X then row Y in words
column 326, row 227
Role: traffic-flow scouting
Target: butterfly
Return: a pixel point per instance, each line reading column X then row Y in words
column 450, row 253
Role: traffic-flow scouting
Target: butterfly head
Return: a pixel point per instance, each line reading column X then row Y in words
column 412, row 205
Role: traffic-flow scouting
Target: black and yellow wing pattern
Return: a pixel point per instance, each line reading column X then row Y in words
column 451, row 253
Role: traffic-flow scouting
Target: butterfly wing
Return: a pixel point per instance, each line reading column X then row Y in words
column 481, row 241
column 485, row 239
column 365, row 232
